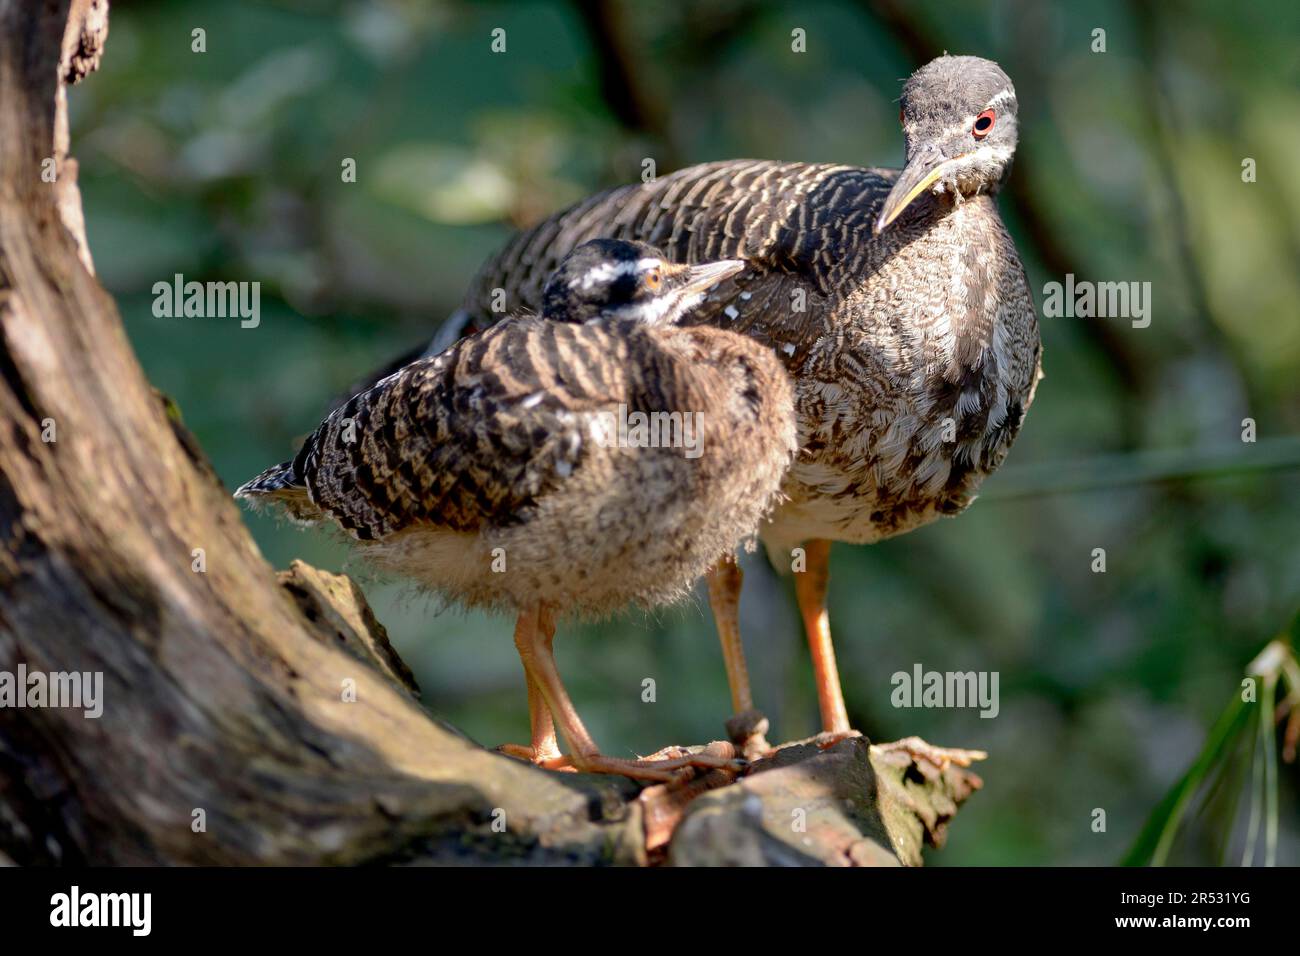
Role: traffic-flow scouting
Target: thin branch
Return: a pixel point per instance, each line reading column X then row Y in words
column 1141, row 468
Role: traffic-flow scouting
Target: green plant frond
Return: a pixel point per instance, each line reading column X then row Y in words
column 1275, row 664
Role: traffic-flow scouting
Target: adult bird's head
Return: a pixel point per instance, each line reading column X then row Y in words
column 959, row 121
column 618, row 279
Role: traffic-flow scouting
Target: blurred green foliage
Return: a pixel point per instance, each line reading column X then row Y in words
column 226, row 165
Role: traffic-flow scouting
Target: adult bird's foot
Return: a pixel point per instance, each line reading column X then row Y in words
column 940, row 757
column 748, row 731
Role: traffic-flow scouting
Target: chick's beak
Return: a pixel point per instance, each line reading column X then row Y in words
column 701, row 278
column 922, row 171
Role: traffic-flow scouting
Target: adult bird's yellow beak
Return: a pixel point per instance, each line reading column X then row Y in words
column 917, row 176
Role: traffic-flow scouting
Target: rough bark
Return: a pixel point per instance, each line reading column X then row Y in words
column 276, row 707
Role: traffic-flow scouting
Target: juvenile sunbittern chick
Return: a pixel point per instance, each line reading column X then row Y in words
column 896, row 300
column 566, row 467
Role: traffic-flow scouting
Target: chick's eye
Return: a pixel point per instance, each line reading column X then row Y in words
column 984, row 124
column 653, row 280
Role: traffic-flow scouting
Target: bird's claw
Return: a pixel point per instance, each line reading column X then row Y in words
column 548, row 760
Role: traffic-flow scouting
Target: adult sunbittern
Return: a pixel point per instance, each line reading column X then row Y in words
column 503, row 472
column 895, row 298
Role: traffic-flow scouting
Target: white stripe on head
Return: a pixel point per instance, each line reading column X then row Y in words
column 606, row 272
column 1001, row 97
column 609, row 271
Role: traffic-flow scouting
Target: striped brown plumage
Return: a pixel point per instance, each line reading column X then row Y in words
column 496, row 444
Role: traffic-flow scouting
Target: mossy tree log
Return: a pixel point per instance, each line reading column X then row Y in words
column 250, row 719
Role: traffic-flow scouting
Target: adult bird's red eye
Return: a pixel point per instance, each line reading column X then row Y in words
column 984, row 124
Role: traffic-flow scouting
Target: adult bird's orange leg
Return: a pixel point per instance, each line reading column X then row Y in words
column 747, row 726
column 810, row 591
column 534, row 646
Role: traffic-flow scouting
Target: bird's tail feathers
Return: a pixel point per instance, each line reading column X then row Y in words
column 280, row 486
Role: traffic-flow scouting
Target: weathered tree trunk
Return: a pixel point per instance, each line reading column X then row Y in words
column 226, row 735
